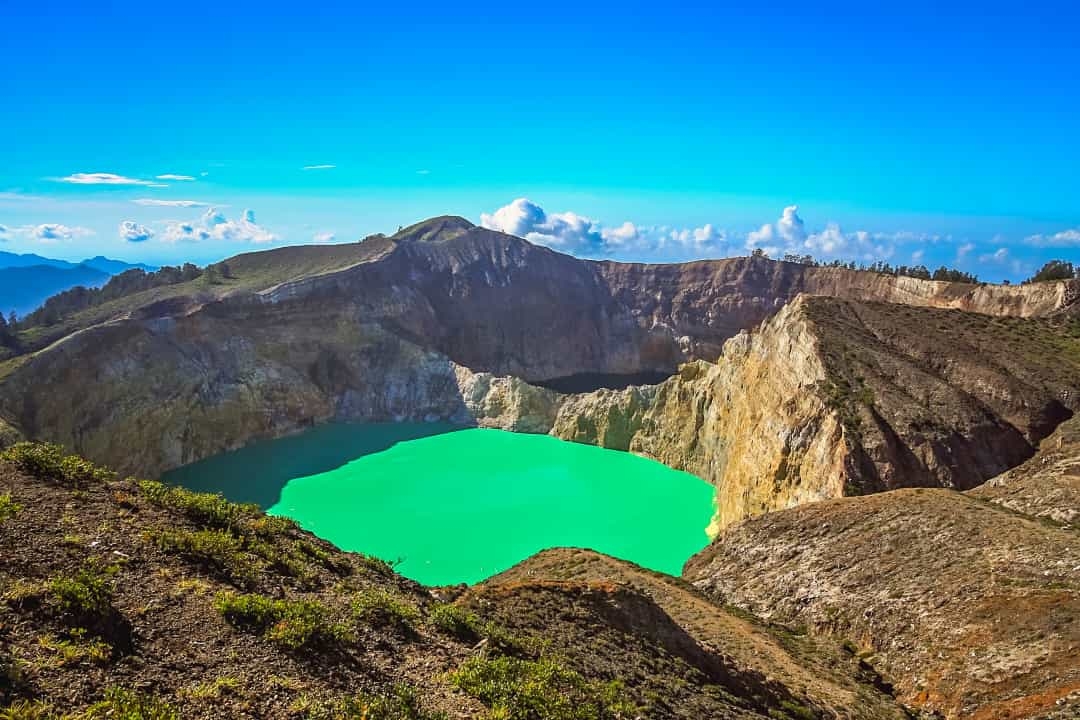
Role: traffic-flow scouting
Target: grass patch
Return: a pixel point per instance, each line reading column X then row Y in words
column 269, row 526
column 86, row 594
column 8, row 507
column 337, row 565
column 123, row 704
column 48, row 461
column 219, row 688
column 402, row 703
column 77, row 650
column 467, row 626
column 543, row 689
column 385, row 609
column 208, row 509
column 293, row 624
column 27, row 710
column 216, row 549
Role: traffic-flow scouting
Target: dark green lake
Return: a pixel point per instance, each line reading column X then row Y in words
column 459, row 505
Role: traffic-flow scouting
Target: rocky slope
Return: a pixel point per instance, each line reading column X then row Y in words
column 968, row 602
column 393, row 328
column 831, row 398
column 127, row 599
column 1046, row 486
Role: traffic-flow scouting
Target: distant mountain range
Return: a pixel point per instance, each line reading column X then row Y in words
column 26, row 281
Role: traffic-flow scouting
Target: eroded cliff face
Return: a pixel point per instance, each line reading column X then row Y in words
column 832, row 398
column 753, row 423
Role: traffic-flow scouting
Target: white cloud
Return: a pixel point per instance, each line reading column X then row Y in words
column 105, row 179
column 171, row 176
column 964, row 250
column 214, row 225
column 149, row 202
column 319, row 167
column 1065, row 238
column 580, row 235
column 788, row 235
column 54, row 232
column 568, row 232
column 323, row 237
column 134, row 232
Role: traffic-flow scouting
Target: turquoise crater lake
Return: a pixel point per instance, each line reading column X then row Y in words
column 459, row 505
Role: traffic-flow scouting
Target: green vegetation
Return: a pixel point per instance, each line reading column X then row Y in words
column 27, row 710
column 8, row 507
column 212, row 510
column 792, row 710
column 86, row 594
column 541, row 689
column 71, row 301
column 290, row 623
column 215, row 690
column 385, row 609
column 401, row 704
column 846, row 398
column 77, row 649
column 456, row 621
column 48, row 461
column 1055, row 270
column 920, row 272
column 466, row 626
column 215, row 549
column 124, row 704
column 237, row 538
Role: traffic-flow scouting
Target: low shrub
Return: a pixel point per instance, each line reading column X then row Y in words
column 216, row 549
column 456, row 621
column 76, row 650
column 400, row 704
column 467, row 626
column 27, row 710
column 123, row 704
column 87, row 593
column 48, row 461
column 385, row 609
column 8, row 507
column 543, row 689
column 290, row 623
column 209, row 509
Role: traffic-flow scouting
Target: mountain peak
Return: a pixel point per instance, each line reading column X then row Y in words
column 436, row 229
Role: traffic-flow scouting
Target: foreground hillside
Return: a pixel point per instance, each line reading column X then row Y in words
column 969, row 602
column 126, row 599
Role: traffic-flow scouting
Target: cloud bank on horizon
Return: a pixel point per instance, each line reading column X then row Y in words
column 579, row 235
column 212, row 232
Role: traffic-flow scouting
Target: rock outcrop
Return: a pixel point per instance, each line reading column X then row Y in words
column 831, row 398
column 971, row 608
column 1046, row 486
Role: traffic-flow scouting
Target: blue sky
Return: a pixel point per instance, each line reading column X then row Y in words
column 639, row 131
